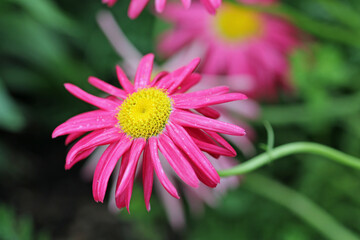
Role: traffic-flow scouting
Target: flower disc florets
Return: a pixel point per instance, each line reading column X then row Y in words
column 144, row 113
column 235, row 23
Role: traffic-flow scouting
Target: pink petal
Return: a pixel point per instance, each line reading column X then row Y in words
column 173, row 80
column 212, row 149
column 124, row 81
column 216, row 60
column 187, row 119
column 211, row 9
column 177, row 161
column 83, row 155
column 106, row 165
column 115, row 99
column 73, row 136
column 173, row 41
column 136, row 7
column 153, row 146
column 110, row 89
column 86, row 97
column 175, row 13
column 209, row 145
column 208, row 112
column 160, row 5
column 84, row 122
column 204, row 101
column 166, row 81
column 158, row 77
column 216, row 3
column 120, row 200
column 148, row 173
column 186, row 3
column 222, row 141
column 202, row 93
column 205, row 171
column 101, row 162
column 143, row 73
column 178, row 79
column 123, row 200
column 189, row 82
column 94, row 139
column 110, row 3
column 127, row 173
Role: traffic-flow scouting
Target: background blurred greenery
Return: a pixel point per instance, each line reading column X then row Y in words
column 45, row 43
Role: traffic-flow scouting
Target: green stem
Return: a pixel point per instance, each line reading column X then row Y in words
column 300, row 205
column 288, row 149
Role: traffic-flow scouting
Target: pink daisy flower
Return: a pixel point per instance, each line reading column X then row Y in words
column 238, row 41
column 145, row 117
column 230, row 112
column 137, row 6
column 196, row 198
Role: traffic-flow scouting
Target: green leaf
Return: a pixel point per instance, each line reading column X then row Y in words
column 11, row 117
column 48, row 14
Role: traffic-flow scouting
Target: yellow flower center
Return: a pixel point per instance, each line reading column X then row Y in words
column 145, row 113
column 233, row 22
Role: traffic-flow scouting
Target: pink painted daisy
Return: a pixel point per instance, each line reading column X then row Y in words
column 137, row 6
column 145, row 117
column 239, row 42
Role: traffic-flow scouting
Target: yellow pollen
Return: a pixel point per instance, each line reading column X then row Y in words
column 145, row 113
column 233, row 22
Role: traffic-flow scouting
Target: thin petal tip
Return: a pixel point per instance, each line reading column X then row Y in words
column 68, row 86
column 196, row 61
column 67, row 166
column 128, row 209
column 150, row 55
column 133, row 14
column 55, row 135
column 92, row 79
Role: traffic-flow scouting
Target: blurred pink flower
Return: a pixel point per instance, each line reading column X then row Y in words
column 137, row 6
column 145, row 117
column 239, row 42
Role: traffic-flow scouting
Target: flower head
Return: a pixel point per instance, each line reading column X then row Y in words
column 145, row 117
column 239, row 42
column 137, row 6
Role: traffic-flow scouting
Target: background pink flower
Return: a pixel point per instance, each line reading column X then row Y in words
column 239, row 42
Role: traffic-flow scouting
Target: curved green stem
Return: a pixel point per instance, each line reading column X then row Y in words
column 289, row 149
column 300, row 205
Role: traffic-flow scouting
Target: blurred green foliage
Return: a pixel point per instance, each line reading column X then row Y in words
column 10, row 113
column 17, row 228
